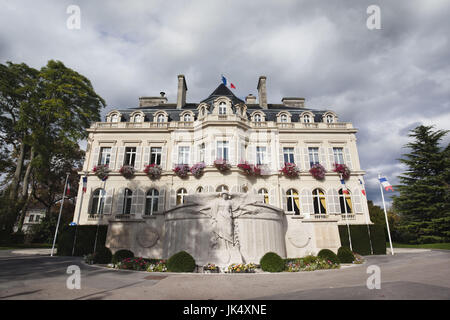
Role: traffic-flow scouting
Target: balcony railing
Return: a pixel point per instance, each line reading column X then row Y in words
column 348, row 216
column 319, row 216
column 95, row 217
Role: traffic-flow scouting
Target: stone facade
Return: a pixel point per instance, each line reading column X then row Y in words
column 221, row 126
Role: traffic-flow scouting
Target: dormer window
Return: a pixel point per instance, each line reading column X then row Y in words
column 306, row 118
column 222, row 108
column 138, row 118
column 258, row 118
column 161, row 118
column 187, row 117
column 115, row 118
column 284, row 118
column 330, row 118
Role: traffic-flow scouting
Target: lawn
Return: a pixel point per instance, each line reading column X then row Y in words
column 445, row 246
column 25, row 246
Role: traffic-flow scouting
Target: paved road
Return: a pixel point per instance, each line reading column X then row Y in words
column 415, row 275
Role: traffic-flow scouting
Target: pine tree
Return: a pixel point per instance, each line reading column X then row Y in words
column 424, row 190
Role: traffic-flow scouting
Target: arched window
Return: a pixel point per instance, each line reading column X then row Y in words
column 284, row 118
column 307, row 118
column 347, row 208
column 265, row 195
column 330, row 118
column 199, row 190
column 293, row 202
column 98, row 201
column 222, row 108
column 138, row 118
column 115, row 118
column 258, row 118
column 181, row 193
column 319, row 202
column 187, row 117
column 151, row 201
column 161, row 118
column 222, row 188
column 127, row 198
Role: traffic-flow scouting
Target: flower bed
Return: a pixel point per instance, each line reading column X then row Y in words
column 159, row 266
column 318, row 171
column 127, row 171
column 290, row 170
column 141, row 264
column 197, row 169
column 222, row 165
column 309, row 263
column 181, row 170
column 210, row 268
column 343, row 170
column 153, row 171
column 102, row 171
column 242, row 268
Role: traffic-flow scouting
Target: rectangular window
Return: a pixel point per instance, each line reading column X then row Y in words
column 105, row 155
column 201, row 153
column 183, row 155
column 313, row 156
column 261, row 156
column 130, row 156
column 31, row 218
column 222, row 150
column 288, row 155
column 155, row 155
column 338, row 155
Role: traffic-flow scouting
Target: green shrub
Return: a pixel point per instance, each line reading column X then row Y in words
column 272, row 262
column 327, row 254
column 122, row 254
column 345, row 255
column 181, row 262
column 102, row 255
column 309, row 259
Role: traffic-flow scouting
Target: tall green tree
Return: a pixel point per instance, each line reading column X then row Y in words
column 424, row 189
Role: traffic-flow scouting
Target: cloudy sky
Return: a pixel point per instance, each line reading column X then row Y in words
column 384, row 81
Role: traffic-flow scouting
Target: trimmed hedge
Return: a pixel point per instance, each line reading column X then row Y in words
column 345, row 255
column 122, row 254
column 272, row 262
column 360, row 238
column 327, row 254
column 85, row 239
column 181, row 262
column 102, row 255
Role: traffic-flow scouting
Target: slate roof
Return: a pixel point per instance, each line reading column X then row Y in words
column 174, row 113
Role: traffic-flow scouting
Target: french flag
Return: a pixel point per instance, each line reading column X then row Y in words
column 344, row 187
column 84, row 184
column 362, row 186
column 227, row 83
column 387, row 186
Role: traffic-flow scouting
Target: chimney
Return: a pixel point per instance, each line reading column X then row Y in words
column 152, row 101
column 181, row 94
column 293, row 102
column 250, row 99
column 262, row 92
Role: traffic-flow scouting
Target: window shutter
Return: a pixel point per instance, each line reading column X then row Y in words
column 281, row 158
column 191, row 155
column 91, row 198
column 251, row 154
column 173, row 198
column 330, row 202
column 146, row 157
column 232, row 153
column 163, row 157
column 210, row 189
column 348, row 160
column 234, row 189
column 297, row 156
column 356, row 200
column 174, row 155
column 323, row 158
column 138, row 162
column 272, row 197
column 161, row 200
column 241, row 152
column 213, row 151
column 283, row 193
column 108, row 201
column 140, row 205
column 304, row 207
column 330, row 159
column 119, row 201
column 119, row 163
column 306, row 159
column 134, row 202
column 95, row 157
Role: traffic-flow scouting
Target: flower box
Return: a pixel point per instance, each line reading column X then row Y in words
column 318, row 171
column 127, row 171
column 290, row 170
column 102, row 171
column 342, row 170
column 153, row 171
column 222, row 165
column 197, row 169
column 181, row 170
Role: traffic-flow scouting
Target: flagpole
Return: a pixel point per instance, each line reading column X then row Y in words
column 367, row 223
column 385, row 215
column 78, row 220
column 98, row 222
column 59, row 216
column 346, row 214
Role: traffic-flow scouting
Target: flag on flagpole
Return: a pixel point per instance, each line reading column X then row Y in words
column 362, row 186
column 344, row 187
column 228, row 83
column 68, row 189
column 387, row 186
column 84, row 184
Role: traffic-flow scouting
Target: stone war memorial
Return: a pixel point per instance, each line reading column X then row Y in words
column 225, row 179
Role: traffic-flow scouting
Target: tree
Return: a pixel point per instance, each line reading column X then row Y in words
column 41, row 111
column 423, row 202
column 377, row 217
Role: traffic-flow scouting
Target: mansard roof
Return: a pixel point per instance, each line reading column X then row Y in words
column 222, row 91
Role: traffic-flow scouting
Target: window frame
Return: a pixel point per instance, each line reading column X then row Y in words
column 151, row 196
